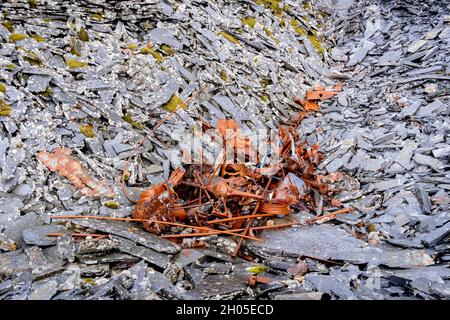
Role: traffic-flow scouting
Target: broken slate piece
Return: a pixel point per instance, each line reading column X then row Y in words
column 424, row 199
column 66, row 247
column 387, row 184
column 149, row 255
column 114, row 257
column 43, row 290
column 188, row 256
column 40, row 265
column 164, row 36
column 89, row 246
column 13, row 263
column 441, row 152
column 38, row 235
column 360, row 53
column 403, row 158
column 129, row 231
column 216, row 286
column 436, row 236
column 160, row 285
column 428, row 161
column 141, row 285
column 38, row 83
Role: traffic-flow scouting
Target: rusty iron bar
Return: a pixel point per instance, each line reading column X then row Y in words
column 146, row 220
column 250, row 216
column 331, row 215
column 250, row 220
column 204, row 234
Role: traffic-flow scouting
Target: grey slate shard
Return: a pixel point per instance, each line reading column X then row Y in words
column 188, row 256
column 390, row 58
column 5, row 286
column 90, row 246
column 66, row 247
column 388, row 184
column 163, row 287
column 432, row 273
column 216, row 287
column 43, row 290
column 328, row 242
column 166, row 92
column 14, row 230
column 432, row 109
column 441, row 289
column 331, row 285
column 120, row 288
column 122, row 229
column 410, row 109
column 432, row 238
column 424, row 199
column 403, row 157
column 141, row 285
column 96, row 270
column 405, row 243
column 164, row 36
column 428, row 161
column 38, row 83
column 360, row 53
column 441, row 152
column 38, row 235
column 153, row 257
column 226, row 104
column 13, row 263
column 40, row 265
column 113, row 257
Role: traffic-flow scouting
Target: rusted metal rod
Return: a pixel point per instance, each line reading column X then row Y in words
column 250, row 216
column 329, row 216
column 204, row 234
column 146, row 220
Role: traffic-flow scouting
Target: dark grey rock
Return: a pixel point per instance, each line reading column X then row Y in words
column 89, row 246
column 216, row 287
column 13, row 263
column 38, row 235
column 66, row 247
column 43, row 290
column 141, row 285
column 122, row 229
column 153, row 257
column 436, row 236
column 39, row 264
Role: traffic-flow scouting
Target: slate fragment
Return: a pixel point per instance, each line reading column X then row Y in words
column 13, row 263
column 428, row 161
column 43, row 290
column 66, row 247
column 432, row 238
column 141, row 285
column 38, row 235
column 129, row 231
column 153, row 257
column 216, row 287
column 40, row 266
column 92, row 246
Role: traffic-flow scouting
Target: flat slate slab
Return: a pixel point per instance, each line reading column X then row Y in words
column 130, row 231
column 331, row 242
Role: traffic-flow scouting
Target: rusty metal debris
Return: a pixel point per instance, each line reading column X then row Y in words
column 61, row 161
column 230, row 198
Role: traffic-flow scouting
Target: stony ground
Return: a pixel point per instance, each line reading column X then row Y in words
column 83, row 77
